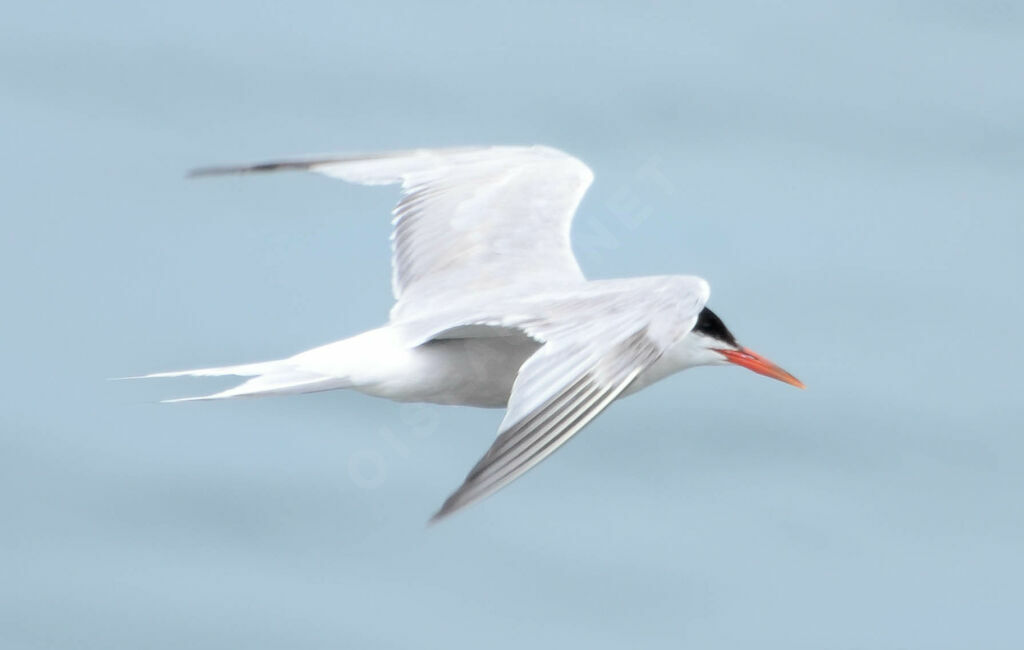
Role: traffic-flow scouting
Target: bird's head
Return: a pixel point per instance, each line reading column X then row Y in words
column 711, row 343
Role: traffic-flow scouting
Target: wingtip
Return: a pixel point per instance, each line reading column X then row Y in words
column 272, row 166
column 202, row 172
column 437, row 517
column 447, row 508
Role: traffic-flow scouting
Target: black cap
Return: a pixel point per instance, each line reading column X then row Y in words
column 711, row 325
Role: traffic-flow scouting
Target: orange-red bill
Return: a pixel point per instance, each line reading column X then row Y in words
column 753, row 361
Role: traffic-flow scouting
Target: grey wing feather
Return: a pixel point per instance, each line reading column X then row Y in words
column 526, row 442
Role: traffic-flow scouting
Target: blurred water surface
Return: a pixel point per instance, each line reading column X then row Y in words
column 846, row 175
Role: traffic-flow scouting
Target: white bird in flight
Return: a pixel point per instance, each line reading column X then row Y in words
column 491, row 308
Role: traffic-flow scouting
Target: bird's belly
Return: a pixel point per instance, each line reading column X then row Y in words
column 467, row 372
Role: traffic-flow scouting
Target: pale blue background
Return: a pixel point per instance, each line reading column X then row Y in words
column 848, row 176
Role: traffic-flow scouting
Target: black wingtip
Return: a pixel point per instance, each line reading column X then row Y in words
column 224, row 170
column 442, row 513
column 200, row 172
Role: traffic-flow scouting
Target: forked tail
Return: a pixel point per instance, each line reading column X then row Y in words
column 281, row 377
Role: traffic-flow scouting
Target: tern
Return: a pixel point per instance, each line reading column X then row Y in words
column 492, row 310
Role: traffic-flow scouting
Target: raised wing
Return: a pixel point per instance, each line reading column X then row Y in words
column 586, row 363
column 471, row 220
